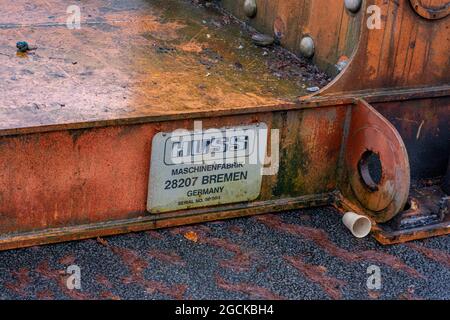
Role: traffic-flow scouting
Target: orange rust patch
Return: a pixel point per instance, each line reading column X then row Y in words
column 191, row 236
column 45, row 295
column 23, row 280
column 255, row 292
column 177, row 291
column 320, row 237
column 155, row 234
column 167, row 257
column 241, row 261
column 102, row 241
column 199, row 229
column 138, row 23
column 105, row 295
column 409, row 294
column 374, row 295
column 433, row 254
column 136, row 264
column 59, row 277
column 236, row 229
column 317, row 274
column 104, row 281
column 67, row 260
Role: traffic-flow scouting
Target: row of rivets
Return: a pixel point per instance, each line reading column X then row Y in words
column 307, row 47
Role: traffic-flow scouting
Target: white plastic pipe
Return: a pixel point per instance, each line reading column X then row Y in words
column 359, row 225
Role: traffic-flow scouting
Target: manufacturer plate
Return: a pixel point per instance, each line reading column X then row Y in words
column 192, row 169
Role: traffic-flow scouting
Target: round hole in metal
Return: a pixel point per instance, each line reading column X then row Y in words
column 370, row 169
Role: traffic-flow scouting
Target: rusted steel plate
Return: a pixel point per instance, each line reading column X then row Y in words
column 334, row 29
column 66, row 178
column 134, row 59
column 406, row 52
column 63, row 181
column 426, row 215
column 74, row 162
column 371, row 134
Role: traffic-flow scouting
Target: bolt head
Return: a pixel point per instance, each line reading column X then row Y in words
column 307, row 48
column 353, row 5
column 250, row 8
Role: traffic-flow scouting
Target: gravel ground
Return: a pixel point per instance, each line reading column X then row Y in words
column 297, row 255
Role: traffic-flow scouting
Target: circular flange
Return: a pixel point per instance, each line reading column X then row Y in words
column 437, row 9
column 378, row 198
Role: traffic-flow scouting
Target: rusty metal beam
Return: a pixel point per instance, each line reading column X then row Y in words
column 77, row 125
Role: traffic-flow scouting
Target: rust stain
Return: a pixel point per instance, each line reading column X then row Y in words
column 149, row 77
column 60, row 277
column 199, row 229
column 167, row 257
column 155, row 234
column 176, row 291
column 45, row 295
column 137, row 265
column 320, row 237
column 241, row 260
column 317, row 274
column 102, row 241
column 22, row 282
column 409, row 294
column 236, row 229
column 433, row 254
column 67, row 260
column 254, row 291
column 105, row 295
column 374, row 294
column 104, row 281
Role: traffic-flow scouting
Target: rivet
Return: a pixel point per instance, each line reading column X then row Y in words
column 353, row 5
column 307, row 48
column 250, row 8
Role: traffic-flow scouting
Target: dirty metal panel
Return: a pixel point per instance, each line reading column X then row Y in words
column 192, row 169
column 134, row 59
column 424, row 126
column 408, row 51
column 334, row 29
column 78, row 177
column 370, row 134
column 75, row 162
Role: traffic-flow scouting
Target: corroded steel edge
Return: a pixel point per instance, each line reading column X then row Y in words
column 150, row 222
column 306, row 102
